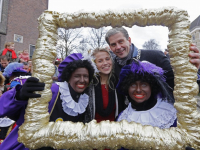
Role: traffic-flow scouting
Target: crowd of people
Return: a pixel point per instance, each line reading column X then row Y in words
column 12, row 72
column 122, row 83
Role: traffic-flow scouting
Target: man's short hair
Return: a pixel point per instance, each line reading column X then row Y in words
column 114, row 31
column 4, row 57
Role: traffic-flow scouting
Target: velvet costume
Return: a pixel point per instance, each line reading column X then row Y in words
column 15, row 109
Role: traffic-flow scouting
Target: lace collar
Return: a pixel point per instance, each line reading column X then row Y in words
column 71, row 107
column 6, row 122
column 162, row 115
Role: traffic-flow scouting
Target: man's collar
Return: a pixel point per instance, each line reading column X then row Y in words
column 135, row 50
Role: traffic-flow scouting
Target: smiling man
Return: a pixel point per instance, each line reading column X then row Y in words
column 120, row 43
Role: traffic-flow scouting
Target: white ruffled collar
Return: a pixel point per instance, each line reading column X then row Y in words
column 162, row 115
column 6, row 122
column 71, row 107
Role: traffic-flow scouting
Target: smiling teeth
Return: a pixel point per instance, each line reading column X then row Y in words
column 81, row 86
column 139, row 95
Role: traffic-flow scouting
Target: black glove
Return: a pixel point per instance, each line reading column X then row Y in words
column 189, row 148
column 31, row 85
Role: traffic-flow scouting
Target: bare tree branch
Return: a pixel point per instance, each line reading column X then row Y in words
column 68, row 40
column 97, row 37
column 152, row 44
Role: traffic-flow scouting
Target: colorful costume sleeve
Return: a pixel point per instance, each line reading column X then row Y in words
column 11, row 107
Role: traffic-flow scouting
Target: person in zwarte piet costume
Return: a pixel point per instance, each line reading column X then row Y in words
column 149, row 96
column 69, row 99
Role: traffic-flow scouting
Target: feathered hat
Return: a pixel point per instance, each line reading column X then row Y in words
column 71, row 58
column 14, row 68
column 142, row 67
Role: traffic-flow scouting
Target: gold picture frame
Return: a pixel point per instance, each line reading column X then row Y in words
column 37, row 131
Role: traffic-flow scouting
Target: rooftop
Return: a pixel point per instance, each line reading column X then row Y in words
column 195, row 23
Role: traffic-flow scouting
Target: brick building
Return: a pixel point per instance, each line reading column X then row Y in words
column 18, row 22
column 195, row 31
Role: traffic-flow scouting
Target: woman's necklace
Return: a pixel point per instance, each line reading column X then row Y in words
column 105, row 86
column 104, row 83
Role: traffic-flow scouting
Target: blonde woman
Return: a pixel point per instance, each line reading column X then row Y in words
column 105, row 104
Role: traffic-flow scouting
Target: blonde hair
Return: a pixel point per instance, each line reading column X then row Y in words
column 109, row 82
column 8, row 44
column 2, row 78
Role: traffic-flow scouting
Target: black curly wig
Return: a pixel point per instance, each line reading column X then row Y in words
column 72, row 66
column 131, row 78
column 157, row 86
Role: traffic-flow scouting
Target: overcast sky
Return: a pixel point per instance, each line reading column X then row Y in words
column 138, row 34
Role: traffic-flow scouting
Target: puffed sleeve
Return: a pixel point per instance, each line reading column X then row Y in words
column 10, row 107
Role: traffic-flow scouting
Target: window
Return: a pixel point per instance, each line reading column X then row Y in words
column 1, row 9
column 18, row 38
column 31, row 50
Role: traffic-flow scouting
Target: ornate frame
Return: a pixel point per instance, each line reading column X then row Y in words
column 37, row 131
